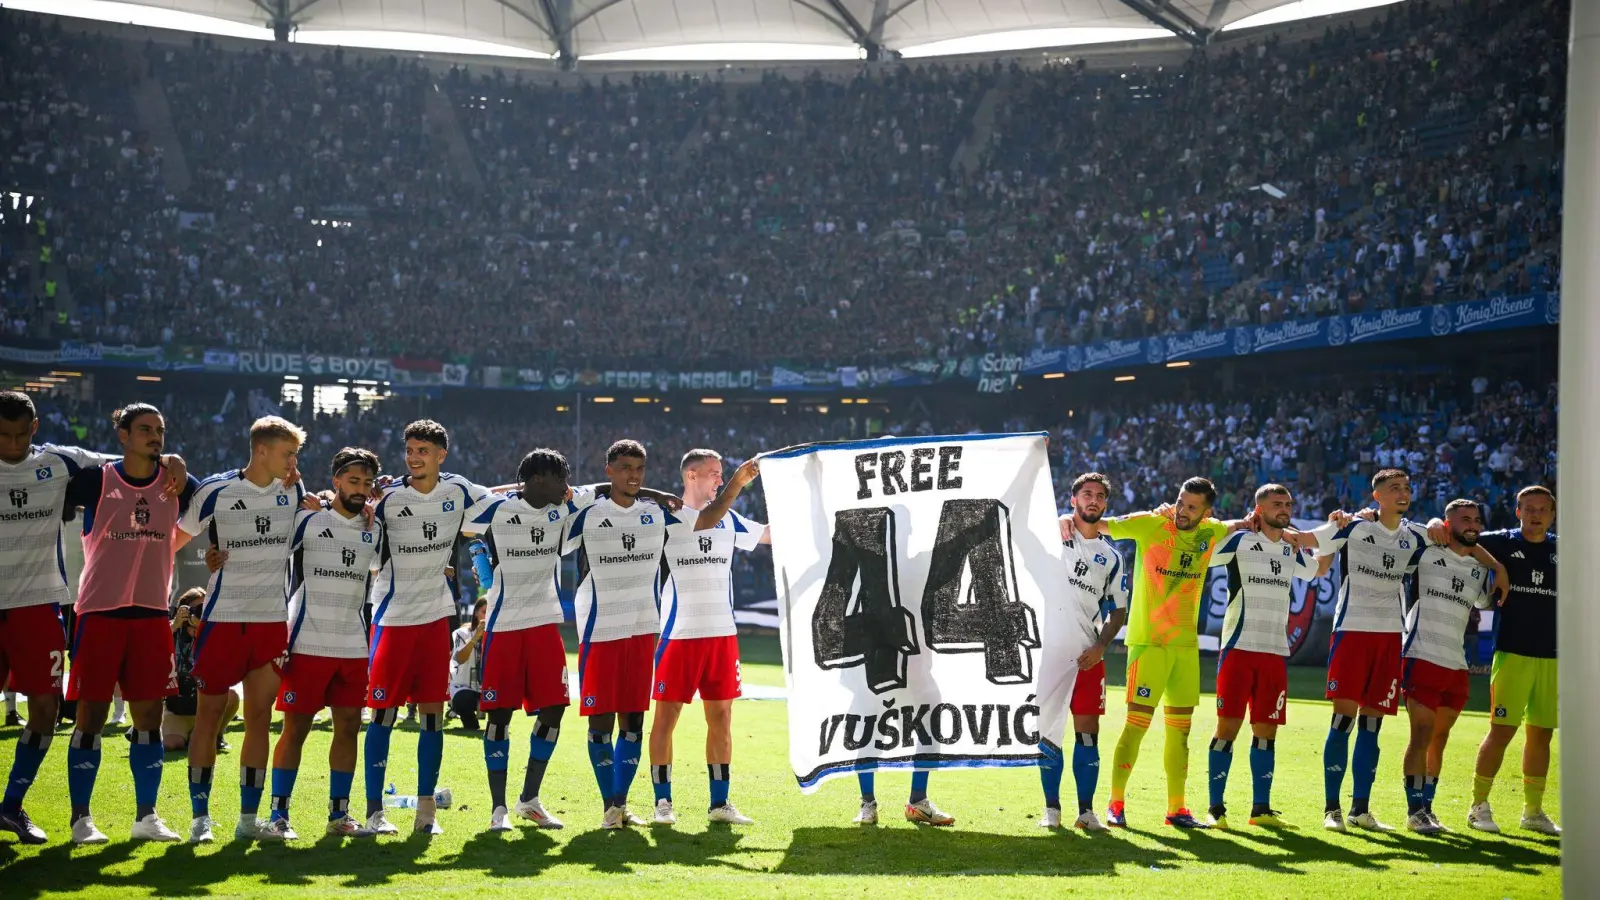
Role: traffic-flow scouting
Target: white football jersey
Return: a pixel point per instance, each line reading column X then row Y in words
column 32, row 569
column 1261, row 575
column 697, row 600
column 1372, row 568
column 1440, row 604
column 527, row 557
column 619, row 597
column 253, row 526
column 332, row 559
column 419, row 534
column 1095, row 578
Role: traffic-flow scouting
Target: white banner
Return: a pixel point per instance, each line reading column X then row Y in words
column 914, row 577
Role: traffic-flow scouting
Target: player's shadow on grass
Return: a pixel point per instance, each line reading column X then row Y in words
column 1287, row 851
column 176, row 870
column 927, row 851
column 523, row 853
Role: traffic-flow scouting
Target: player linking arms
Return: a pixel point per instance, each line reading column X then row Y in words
column 524, row 662
column 122, row 636
column 248, row 515
column 334, row 551
column 33, row 643
column 421, row 518
column 699, row 649
column 1163, row 643
column 1252, row 669
column 1522, row 687
column 1095, row 584
column 1448, row 584
column 621, row 539
column 1364, row 663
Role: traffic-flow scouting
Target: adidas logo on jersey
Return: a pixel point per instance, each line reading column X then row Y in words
column 1517, row 554
column 605, row 523
column 1441, row 563
column 514, row 520
column 326, row 533
column 1257, row 547
column 404, row 513
column 237, row 505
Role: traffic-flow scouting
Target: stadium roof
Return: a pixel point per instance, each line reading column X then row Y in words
column 705, row 29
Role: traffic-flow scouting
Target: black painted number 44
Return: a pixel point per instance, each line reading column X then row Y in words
column 969, row 605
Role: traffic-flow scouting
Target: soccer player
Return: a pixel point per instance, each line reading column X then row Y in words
column 334, row 551
column 1174, row 550
column 1522, row 686
column 122, row 634
column 409, row 661
column 1448, row 584
column 1364, row 662
column 621, row 539
column 699, row 648
column 1096, row 593
column 33, row 643
column 247, row 514
column 524, row 662
column 1252, row 669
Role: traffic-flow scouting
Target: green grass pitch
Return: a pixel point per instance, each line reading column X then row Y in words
column 806, row 846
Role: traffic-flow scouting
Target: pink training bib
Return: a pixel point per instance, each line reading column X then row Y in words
column 128, row 551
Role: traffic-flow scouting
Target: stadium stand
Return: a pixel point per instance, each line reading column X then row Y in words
column 825, row 215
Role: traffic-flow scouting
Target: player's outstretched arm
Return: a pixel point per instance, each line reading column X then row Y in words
column 668, row 502
column 716, row 509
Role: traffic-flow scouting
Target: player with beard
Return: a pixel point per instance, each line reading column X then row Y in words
column 1448, row 584
column 334, row 551
column 699, row 648
column 1252, row 668
column 1379, row 549
column 122, row 636
column 34, row 480
column 1096, row 595
column 1174, row 545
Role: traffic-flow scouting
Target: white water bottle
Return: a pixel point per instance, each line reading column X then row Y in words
column 442, row 798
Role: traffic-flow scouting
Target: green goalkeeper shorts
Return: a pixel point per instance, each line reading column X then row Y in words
column 1523, row 689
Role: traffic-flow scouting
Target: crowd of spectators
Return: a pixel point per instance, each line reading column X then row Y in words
column 367, row 205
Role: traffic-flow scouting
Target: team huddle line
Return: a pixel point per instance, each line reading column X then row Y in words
column 282, row 618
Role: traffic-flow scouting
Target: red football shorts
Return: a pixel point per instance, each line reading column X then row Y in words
column 1254, row 679
column 135, row 653
column 33, row 649
column 1089, row 691
column 1364, row 666
column 708, row 665
column 614, row 676
column 1434, row 686
column 409, row 664
column 225, row 652
column 526, row 668
column 313, row 682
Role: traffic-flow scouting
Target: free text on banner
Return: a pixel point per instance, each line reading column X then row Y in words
column 914, row 576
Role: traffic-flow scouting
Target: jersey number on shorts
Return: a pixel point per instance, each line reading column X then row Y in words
column 972, row 558
column 56, row 663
